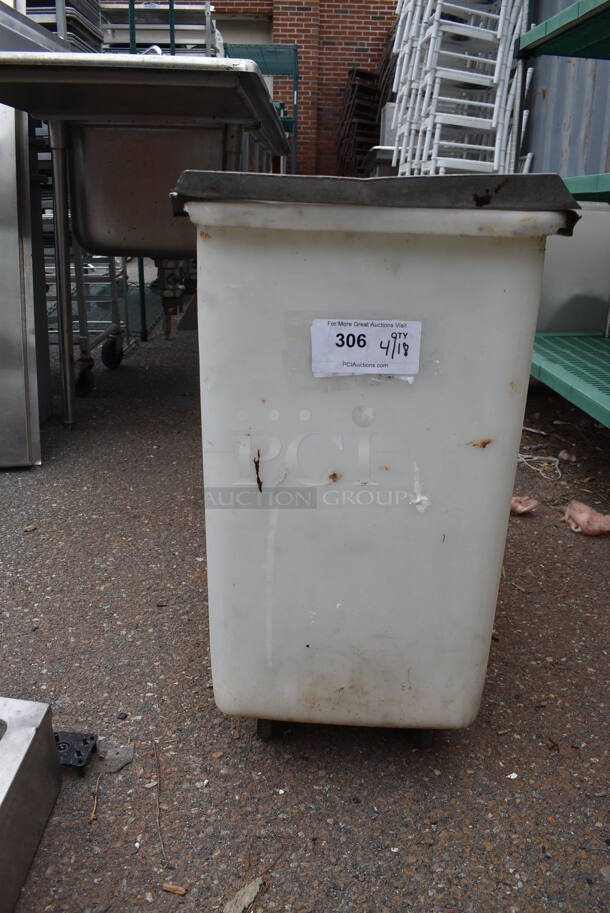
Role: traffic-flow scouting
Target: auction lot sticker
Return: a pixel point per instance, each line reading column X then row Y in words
column 365, row 347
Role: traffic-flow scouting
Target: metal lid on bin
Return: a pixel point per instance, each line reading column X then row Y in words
column 522, row 192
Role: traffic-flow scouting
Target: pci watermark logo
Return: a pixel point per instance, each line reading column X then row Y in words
column 345, row 466
column 308, row 498
column 246, row 497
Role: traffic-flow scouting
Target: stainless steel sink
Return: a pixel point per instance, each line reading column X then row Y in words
column 125, row 127
column 30, row 778
column 133, row 123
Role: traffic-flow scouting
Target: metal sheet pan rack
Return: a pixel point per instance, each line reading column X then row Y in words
column 100, row 306
column 99, row 289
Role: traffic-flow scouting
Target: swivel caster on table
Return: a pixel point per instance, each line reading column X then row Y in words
column 85, row 379
column 112, row 352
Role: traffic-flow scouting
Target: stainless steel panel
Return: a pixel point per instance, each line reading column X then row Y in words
column 19, row 427
column 378, row 162
column 30, row 778
column 120, row 191
column 576, row 281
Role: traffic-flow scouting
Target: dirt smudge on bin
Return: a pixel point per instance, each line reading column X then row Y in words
column 205, row 235
column 335, row 476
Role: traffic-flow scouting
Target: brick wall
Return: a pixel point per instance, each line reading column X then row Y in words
column 244, row 8
column 333, row 36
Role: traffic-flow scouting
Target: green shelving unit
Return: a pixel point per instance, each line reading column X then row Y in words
column 592, row 187
column 576, row 365
column 581, row 30
column 276, row 60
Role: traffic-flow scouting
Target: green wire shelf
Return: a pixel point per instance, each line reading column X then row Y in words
column 594, row 187
column 581, row 30
column 577, row 366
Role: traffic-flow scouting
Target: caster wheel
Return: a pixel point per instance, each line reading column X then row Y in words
column 265, row 730
column 424, row 738
column 112, row 352
column 85, row 382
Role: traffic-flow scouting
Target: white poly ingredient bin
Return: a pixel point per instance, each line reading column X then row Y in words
column 357, row 491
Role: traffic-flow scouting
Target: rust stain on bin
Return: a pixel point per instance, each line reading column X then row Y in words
column 335, row 476
column 257, row 466
column 204, row 235
column 482, row 199
column 482, row 444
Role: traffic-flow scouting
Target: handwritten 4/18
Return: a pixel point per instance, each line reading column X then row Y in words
column 397, row 343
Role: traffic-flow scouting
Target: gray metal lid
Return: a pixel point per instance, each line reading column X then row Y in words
column 523, row 192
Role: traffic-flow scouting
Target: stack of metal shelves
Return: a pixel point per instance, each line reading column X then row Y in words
column 178, row 28
column 78, row 21
column 358, row 129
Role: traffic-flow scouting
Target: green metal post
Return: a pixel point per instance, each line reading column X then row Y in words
column 172, row 28
column 295, row 107
column 132, row 27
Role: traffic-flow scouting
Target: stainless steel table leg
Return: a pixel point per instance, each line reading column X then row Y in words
column 62, row 266
column 114, row 291
column 84, row 382
column 232, row 148
column 142, row 291
column 125, row 297
column 81, row 299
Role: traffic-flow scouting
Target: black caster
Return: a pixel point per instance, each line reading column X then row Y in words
column 112, row 352
column 85, row 382
column 265, row 730
column 424, row 738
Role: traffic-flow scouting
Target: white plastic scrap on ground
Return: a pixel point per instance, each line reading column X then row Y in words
column 521, row 504
column 584, row 519
column 244, row 897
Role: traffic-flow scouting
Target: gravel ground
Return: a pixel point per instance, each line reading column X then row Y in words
column 104, row 615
